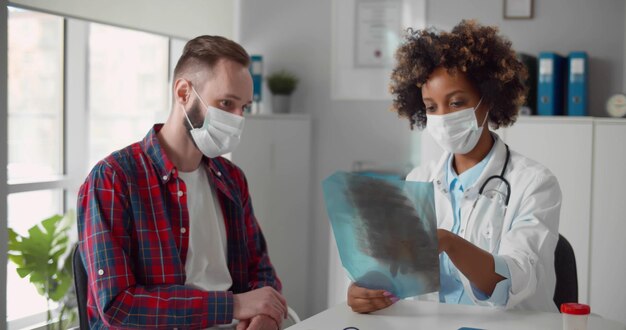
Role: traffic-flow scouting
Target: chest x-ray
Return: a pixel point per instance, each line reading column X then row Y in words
column 386, row 232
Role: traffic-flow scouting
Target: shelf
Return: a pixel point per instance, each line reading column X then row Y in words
column 274, row 116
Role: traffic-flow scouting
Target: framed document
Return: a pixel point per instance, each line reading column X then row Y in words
column 378, row 28
column 365, row 36
column 518, row 9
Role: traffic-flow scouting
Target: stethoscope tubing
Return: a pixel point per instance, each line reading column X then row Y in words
column 501, row 178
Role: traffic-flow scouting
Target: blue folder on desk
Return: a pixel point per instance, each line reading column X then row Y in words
column 577, row 86
column 551, row 85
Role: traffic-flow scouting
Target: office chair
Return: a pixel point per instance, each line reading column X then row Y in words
column 80, row 285
column 566, row 276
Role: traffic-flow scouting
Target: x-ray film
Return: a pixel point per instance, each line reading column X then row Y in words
column 386, row 232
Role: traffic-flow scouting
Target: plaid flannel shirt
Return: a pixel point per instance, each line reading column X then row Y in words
column 133, row 230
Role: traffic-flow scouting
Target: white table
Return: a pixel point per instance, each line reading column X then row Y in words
column 412, row 314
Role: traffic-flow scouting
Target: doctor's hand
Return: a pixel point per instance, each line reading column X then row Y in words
column 445, row 239
column 363, row 300
column 266, row 301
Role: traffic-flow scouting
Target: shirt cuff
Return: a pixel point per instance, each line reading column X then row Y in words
column 500, row 294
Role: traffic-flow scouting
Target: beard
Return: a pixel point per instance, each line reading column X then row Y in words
column 195, row 115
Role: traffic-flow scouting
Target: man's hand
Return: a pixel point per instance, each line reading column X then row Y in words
column 259, row 322
column 363, row 300
column 265, row 301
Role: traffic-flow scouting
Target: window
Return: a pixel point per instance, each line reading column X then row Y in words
column 35, row 82
column 67, row 109
column 23, row 297
column 128, row 87
column 35, row 136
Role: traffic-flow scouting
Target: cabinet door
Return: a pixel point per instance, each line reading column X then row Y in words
column 275, row 155
column 564, row 146
column 608, row 245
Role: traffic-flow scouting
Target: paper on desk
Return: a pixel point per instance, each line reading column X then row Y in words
column 386, row 232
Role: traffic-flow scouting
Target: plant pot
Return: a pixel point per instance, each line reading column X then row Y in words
column 281, row 103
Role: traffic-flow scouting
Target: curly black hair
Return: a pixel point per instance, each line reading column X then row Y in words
column 475, row 50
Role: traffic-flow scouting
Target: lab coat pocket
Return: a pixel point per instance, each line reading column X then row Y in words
column 488, row 219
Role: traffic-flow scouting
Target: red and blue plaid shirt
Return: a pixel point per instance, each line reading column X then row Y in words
column 133, row 230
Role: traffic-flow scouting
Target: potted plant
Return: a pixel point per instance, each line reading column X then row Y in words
column 281, row 84
column 42, row 257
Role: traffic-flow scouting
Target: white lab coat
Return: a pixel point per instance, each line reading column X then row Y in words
column 525, row 237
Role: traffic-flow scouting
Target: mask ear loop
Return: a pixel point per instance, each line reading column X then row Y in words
column 185, row 111
column 187, row 117
column 486, row 115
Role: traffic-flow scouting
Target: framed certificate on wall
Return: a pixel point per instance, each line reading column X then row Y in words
column 365, row 36
column 518, row 9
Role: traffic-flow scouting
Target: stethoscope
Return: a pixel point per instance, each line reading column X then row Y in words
column 501, row 178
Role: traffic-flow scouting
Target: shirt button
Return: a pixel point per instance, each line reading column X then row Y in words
column 164, row 177
column 219, row 173
column 438, row 181
column 462, row 231
column 180, row 193
column 445, row 191
column 100, row 272
column 183, row 230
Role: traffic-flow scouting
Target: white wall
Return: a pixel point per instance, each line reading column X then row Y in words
column 182, row 18
column 297, row 36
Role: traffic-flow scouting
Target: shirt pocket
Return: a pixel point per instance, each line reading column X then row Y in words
column 488, row 219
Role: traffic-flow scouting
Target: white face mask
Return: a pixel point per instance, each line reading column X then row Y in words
column 456, row 132
column 220, row 133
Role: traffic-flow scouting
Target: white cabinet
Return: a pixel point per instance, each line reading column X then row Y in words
column 564, row 145
column 275, row 154
column 608, row 226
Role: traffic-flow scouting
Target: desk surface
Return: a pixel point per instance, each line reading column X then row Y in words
column 410, row 314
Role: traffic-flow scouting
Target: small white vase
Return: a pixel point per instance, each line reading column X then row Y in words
column 281, row 103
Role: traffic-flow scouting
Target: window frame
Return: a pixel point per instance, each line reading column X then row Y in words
column 3, row 156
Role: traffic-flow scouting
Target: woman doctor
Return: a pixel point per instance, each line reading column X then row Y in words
column 497, row 211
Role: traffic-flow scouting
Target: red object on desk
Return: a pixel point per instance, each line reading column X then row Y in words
column 575, row 309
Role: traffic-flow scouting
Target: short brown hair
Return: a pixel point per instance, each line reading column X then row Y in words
column 480, row 52
column 206, row 51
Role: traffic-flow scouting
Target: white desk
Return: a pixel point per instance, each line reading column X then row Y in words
column 410, row 314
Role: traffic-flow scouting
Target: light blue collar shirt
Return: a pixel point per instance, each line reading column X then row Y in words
column 452, row 290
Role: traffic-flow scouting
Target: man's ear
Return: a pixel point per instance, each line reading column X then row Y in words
column 182, row 91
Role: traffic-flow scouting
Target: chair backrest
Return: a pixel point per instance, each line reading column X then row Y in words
column 566, row 276
column 80, row 285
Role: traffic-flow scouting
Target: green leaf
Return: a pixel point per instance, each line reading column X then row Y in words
column 14, row 240
column 41, row 255
column 50, row 224
column 38, row 278
column 23, row 272
column 12, row 235
column 17, row 259
column 59, row 289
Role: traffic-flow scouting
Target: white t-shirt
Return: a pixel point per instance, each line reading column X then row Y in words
column 206, row 266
